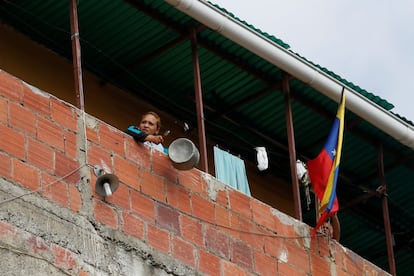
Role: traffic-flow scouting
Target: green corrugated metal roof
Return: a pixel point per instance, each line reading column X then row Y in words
column 143, row 47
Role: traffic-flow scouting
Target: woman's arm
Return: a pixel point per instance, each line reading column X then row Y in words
column 137, row 134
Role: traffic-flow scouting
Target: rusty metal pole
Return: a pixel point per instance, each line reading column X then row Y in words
column 292, row 150
column 76, row 55
column 385, row 212
column 199, row 103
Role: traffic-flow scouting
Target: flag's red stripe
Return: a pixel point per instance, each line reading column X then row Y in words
column 318, row 170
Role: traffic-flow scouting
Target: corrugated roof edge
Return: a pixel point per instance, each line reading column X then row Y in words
column 267, row 35
column 378, row 100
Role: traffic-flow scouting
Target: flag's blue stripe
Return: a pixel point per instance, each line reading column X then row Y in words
column 332, row 140
column 333, row 194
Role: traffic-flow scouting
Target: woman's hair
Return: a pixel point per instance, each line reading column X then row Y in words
column 155, row 114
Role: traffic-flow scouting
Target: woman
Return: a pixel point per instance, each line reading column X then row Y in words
column 148, row 130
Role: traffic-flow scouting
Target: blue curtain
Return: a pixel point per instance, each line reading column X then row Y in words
column 231, row 170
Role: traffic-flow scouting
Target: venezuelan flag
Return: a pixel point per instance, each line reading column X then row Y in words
column 323, row 170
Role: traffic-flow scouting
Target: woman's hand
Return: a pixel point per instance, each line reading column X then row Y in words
column 156, row 139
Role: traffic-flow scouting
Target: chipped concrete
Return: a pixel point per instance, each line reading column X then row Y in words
column 213, row 186
column 99, row 250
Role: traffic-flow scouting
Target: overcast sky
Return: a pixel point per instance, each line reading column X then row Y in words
column 368, row 42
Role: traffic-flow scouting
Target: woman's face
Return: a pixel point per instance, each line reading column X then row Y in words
column 149, row 124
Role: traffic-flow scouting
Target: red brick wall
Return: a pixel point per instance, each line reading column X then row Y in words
column 187, row 215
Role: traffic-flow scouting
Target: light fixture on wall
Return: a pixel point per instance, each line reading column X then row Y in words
column 106, row 183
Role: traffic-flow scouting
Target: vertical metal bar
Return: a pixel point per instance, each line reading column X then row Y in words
column 76, row 55
column 385, row 212
column 199, row 103
column 292, row 150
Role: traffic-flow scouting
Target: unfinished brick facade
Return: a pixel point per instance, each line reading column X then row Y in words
column 160, row 221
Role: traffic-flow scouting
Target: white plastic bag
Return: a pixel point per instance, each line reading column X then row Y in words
column 262, row 161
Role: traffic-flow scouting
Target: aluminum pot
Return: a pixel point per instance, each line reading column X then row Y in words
column 183, row 154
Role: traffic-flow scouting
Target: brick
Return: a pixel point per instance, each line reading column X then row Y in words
column 4, row 111
column 158, row 238
column 92, row 184
column 12, row 142
column 5, row 166
column 137, row 153
column 167, row 218
column 84, row 273
column 11, row 87
column 50, row 133
column 275, row 247
column 67, row 168
column 191, row 179
column 242, row 255
column 191, row 230
column 7, row 229
column 229, row 268
column 183, row 251
column 127, row 172
column 99, row 156
column 339, row 256
column 262, row 214
column 352, row 263
column 235, row 223
column 105, row 214
column 121, row 197
column 37, row 245
column 284, row 269
column 153, row 186
column 288, row 229
column 92, row 134
column 222, row 218
column 323, row 245
column 297, row 257
column 70, row 144
column 40, row 155
column 111, row 139
column 143, row 206
column 22, row 119
column 133, row 226
column 314, row 244
column 265, row 265
column 208, row 263
column 162, row 166
column 251, row 234
column 37, row 100
column 222, row 198
column 55, row 189
column 75, row 198
column 202, row 208
column 64, row 114
column 26, row 175
column 217, row 242
column 240, row 203
column 319, row 265
column 178, row 197
column 63, row 257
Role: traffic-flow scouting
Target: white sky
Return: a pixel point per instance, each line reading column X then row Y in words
column 368, row 42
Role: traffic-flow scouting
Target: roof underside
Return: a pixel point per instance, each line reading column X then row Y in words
column 144, row 47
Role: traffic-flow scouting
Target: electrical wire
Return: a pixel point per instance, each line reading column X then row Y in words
column 19, row 252
column 40, row 188
column 274, row 235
